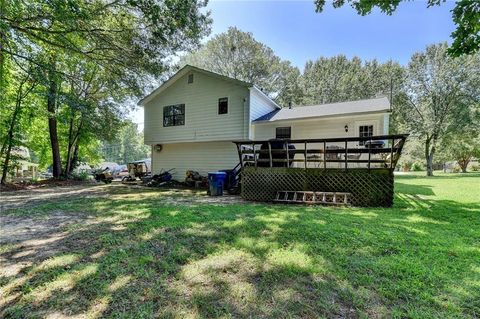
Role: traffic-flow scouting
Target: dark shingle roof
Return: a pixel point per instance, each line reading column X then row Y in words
column 376, row 105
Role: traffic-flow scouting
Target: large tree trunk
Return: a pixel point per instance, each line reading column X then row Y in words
column 3, row 40
column 9, row 141
column 463, row 163
column 429, row 153
column 73, row 138
column 74, row 159
column 52, row 121
column 67, row 169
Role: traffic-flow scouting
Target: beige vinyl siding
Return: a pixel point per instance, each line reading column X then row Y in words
column 202, row 121
column 199, row 156
column 322, row 128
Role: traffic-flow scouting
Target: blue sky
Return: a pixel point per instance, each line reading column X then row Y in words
column 296, row 33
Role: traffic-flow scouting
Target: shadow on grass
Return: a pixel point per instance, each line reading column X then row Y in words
column 404, row 188
column 143, row 258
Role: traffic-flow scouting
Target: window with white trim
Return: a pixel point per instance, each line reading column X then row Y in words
column 223, row 105
column 174, row 115
column 365, row 131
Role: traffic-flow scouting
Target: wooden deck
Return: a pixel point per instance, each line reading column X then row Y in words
column 346, row 153
column 362, row 167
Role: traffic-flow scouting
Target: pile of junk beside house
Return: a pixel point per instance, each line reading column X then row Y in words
column 140, row 172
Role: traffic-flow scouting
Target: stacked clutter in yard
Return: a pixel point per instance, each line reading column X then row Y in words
column 194, row 179
column 162, row 179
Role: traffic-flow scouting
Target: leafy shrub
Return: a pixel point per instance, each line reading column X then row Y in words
column 82, row 176
column 406, row 166
column 456, row 169
column 475, row 167
column 417, row 167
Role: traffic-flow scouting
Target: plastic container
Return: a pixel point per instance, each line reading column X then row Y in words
column 216, row 181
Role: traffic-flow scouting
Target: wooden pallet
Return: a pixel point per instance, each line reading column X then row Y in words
column 329, row 198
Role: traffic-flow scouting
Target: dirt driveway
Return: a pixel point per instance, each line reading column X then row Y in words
column 27, row 237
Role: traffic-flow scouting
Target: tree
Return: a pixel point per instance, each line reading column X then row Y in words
column 439, row 93
column 466, row 15
column 127, row 146
column 238, row 55
column 336, row 79
column 21, row 86
column 462, row 147
column 129, row 39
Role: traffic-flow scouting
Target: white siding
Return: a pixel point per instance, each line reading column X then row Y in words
column 200, row 156
column 202, row 121
column 322, row 128
column 259, row 106
column 386, row 123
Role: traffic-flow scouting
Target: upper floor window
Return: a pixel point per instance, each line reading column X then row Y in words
column 190, row 78
column 174, row 115
column 223, row 105
column 283, row 132
column 365, row 131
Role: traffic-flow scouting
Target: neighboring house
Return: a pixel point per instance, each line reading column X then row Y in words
column 22, row 168
column 192, row 119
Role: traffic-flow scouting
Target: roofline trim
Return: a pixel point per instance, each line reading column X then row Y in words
column 265, row 96
column 322, row 116
column 179, row 74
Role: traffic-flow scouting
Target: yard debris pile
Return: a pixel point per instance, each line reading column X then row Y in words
column 194, row 179
column 164, row 178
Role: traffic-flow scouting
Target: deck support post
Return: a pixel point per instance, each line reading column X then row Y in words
column 306, row 160
column 254, row 155
column 324, row 156
column 240, row 156
column 270, row 153
column 391, row 153
column 369, row 153
column 288, row 154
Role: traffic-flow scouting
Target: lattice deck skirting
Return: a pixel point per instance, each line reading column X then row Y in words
column 368, row 187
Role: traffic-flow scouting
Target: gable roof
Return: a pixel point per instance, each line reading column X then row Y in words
column 377, row 105
column 183, row 71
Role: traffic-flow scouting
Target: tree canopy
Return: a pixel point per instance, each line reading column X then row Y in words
column 92, row 57
column 440, row 96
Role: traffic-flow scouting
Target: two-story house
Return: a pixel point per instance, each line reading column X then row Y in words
column 192, row 118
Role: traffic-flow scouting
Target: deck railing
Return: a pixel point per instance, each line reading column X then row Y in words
column 344, row 152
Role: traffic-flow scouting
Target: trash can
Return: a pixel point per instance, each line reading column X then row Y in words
column 215, row 183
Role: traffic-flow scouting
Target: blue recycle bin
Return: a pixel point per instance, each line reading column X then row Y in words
column 215, row 183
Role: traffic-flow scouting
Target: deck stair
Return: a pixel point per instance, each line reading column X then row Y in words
column 329, row 198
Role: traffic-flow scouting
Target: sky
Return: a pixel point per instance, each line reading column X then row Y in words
column 296, row 33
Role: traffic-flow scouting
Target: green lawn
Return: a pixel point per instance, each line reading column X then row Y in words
column 139, row 256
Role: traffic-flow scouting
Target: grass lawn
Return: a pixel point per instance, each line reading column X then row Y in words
column 135, row 254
